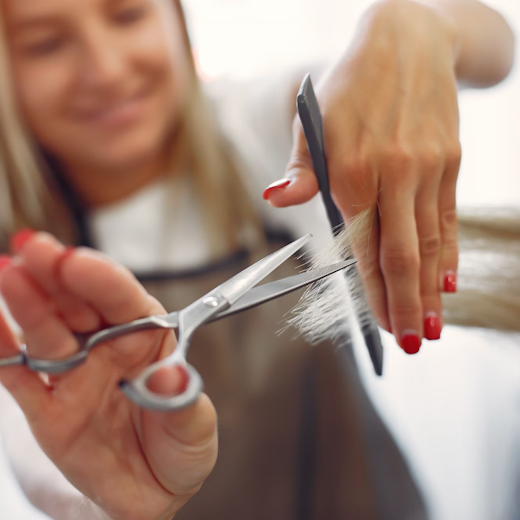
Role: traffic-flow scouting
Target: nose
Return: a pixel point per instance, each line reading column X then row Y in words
column 104, row 61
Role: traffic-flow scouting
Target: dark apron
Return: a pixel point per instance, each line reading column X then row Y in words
column 298, row 437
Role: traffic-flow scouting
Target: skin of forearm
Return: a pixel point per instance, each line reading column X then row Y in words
column 486, row 43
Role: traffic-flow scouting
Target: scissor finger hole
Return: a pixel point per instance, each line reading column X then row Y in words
column 168, row 381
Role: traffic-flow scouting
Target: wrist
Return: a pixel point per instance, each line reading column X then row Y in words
column 424, row 20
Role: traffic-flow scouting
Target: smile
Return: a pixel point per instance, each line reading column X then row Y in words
column 118, row 114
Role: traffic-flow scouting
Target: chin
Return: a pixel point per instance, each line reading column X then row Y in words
column 130, row 152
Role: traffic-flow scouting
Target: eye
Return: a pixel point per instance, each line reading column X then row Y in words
column 131, row 15
column 45, row 47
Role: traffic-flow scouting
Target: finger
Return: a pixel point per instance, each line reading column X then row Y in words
column 107, row 287
column 45, row 333
column 364, row 233
column 300, row 184
column 428, row 232
column 41, row 256
column 448, row 264
column 25, row 386
column 400, row 265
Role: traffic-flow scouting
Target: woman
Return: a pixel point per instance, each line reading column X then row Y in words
column 111, row 103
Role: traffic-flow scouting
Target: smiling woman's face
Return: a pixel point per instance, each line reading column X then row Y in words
column 99, row 82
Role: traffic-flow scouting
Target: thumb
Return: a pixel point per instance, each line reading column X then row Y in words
column 193, row 425
column 299, row 184
column 181, row 446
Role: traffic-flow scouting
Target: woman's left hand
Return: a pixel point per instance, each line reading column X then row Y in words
column 391, row 136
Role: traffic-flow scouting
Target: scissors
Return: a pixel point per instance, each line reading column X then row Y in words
column 233, row 296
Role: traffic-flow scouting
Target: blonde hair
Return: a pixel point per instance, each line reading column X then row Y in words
column 488, row 292
column 29, row 196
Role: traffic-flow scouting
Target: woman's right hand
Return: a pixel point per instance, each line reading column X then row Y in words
column 131, row 463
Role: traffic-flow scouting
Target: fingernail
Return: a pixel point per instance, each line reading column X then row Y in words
column 410, row 341
column 278, row 185
column 67, row 252
column 450, row 282
column 5, row 261
column 432, row 326
column 19, row 239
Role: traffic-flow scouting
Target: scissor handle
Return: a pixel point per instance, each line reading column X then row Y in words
column 137, row 389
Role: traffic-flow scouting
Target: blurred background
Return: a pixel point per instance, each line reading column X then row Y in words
column 248, row 38
column 455, row 408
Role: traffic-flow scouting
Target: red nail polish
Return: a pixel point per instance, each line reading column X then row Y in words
column 67, row 252
column 278, row 185
column 432, row 327
column 19, row 239
column 410, row 342
column 450, row 282
column 5, row 260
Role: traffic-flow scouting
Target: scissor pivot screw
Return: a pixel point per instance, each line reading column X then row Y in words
column 211, row 302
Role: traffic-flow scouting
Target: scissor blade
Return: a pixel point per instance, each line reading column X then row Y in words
column 273, row 290
column 243, row 282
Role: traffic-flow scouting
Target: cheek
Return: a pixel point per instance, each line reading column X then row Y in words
column 41, row 93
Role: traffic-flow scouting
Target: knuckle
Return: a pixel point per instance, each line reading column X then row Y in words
column 451, row 249
column 449, row 222
column 397, row 157
column 430, row 291
column 399, row 261
column 454, row 155
column 405, row 310
column 431, row 157
column 357, row 165
column 356, row 172
column 429, row 245
column 298, row 161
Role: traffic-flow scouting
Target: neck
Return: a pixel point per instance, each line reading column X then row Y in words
column 98, row 186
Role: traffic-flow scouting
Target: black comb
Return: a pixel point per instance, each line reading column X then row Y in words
column 310, row 117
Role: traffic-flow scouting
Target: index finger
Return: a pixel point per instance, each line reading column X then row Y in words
column 108, row 287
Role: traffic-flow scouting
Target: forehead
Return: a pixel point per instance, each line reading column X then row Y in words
column 25, row 12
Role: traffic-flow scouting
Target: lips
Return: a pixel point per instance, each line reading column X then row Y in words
column 117, row 113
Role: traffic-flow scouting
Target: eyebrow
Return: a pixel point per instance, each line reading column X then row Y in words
column 44, row 20
column 35, row 22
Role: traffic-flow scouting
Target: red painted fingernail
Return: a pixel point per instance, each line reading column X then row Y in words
column 19, row 239
column 450, row 282
column 67, row 252
column 278, row 185
column 410, row 342
column 432, row 327
column 5, row 260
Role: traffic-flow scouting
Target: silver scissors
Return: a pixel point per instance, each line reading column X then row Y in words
column 235, row 295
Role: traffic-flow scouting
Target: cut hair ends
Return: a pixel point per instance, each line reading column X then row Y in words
column 488, row 294
column 326, row 307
